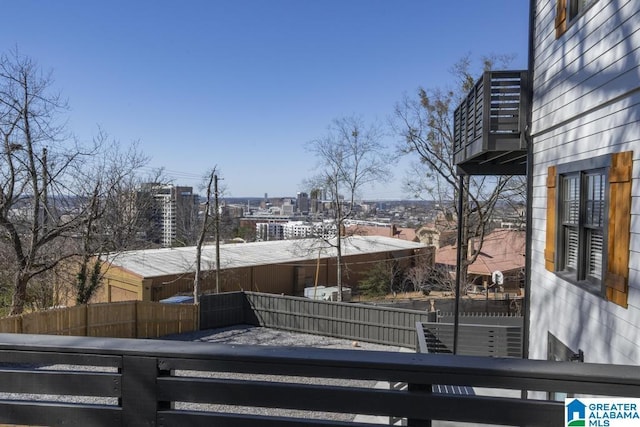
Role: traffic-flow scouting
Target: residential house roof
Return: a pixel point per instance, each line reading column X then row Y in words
column 502, row 250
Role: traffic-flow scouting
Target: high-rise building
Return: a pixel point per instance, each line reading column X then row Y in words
column 266, row 231
column 315, row 201
column 287, row 207
column 297, row 230
column 175, row 214
column 303, row 203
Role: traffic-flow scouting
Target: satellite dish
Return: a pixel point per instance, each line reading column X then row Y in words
column 497, row 277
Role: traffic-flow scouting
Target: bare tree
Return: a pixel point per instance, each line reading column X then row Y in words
column 426, row 276
column 425, row 124
column 49, row 187
column 129, row 209
column 112, row 222
column 211, row 180
column 440, row 277
column 417, row 277
column 350, row 156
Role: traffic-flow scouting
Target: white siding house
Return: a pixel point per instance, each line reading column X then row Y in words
column 585, row 133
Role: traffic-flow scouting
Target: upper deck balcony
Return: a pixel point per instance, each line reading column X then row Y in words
column 490, row 125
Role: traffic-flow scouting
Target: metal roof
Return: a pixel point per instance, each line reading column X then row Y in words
column 171, row 261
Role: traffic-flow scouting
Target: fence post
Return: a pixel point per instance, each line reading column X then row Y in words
column 136, row 307
column 139, row 400
column 85, row 311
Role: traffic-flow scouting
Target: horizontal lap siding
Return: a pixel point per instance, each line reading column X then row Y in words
column 575, row 117
column 568, row 77
column 606, row 329
column 611, row 125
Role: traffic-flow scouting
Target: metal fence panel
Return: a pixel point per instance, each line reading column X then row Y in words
column 473, row 340
column 483, row 319
column 380, row 325
column 225, row 309
column 360, row 322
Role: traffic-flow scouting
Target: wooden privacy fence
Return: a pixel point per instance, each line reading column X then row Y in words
column 142, row 319
column 130, row 319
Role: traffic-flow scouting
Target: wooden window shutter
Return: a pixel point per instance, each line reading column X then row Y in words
column 552, row 209
column 617, row 275
column 561, row 17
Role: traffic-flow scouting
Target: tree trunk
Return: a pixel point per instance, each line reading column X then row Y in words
column 19, row 293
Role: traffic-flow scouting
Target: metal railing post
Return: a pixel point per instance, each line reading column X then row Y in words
column 419, row 389
column 139, row 391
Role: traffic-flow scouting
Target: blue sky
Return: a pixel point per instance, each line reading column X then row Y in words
column 244, row 84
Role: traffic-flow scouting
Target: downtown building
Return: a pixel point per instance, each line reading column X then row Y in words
column 174, row 214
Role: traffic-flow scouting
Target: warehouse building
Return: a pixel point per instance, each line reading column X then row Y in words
column 283, row 267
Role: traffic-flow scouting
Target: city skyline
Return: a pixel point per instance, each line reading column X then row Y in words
column 245, row 85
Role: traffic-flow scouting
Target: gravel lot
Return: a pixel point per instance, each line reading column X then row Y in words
column 265, row 336
column 245, row 334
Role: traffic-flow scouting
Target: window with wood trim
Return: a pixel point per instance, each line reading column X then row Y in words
column 567, row 11
column 582, row 200
column 588, row 224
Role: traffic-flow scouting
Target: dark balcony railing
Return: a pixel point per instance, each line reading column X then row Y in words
column 474, row 340
column 154, row 382
column 490, row 125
